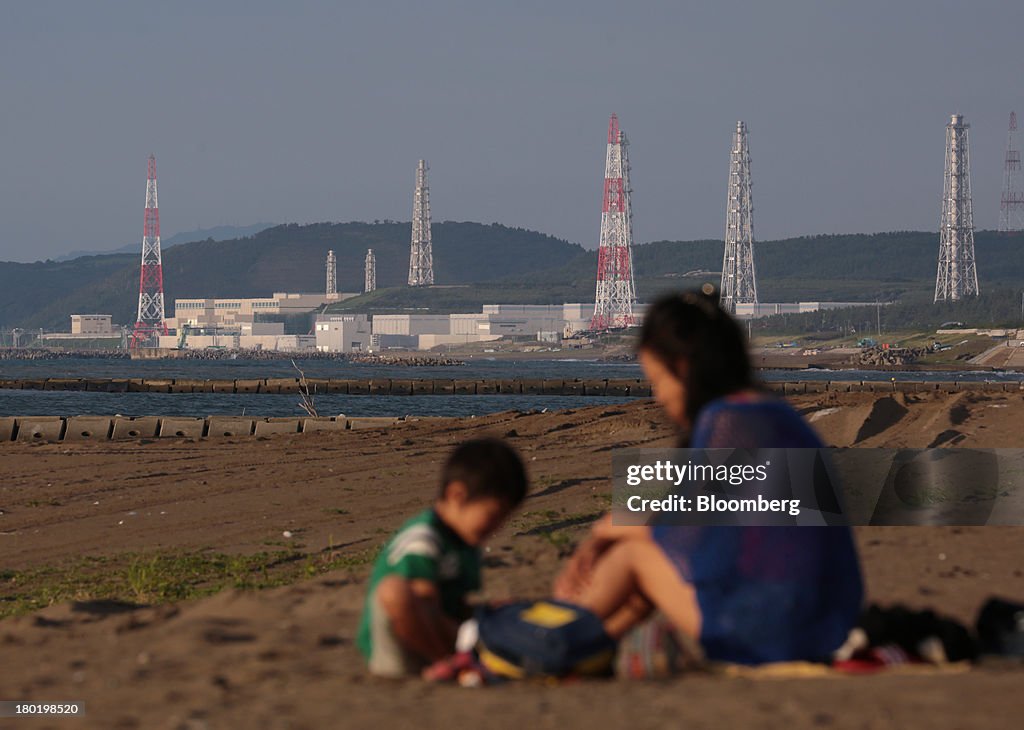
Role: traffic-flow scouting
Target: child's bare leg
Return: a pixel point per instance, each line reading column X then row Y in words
column 634, row 572
column 415, row 619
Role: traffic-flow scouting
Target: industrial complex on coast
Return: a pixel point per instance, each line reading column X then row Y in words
column 259, row 323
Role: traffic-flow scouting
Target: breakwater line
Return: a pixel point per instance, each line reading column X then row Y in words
column 105, row 428
column 625, row 387
column 607, row 387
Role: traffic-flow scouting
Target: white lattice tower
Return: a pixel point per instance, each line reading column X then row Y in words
column 421, row 257
column 739, row 279
column 370, row 279
column 332, row 275
column 957, row 276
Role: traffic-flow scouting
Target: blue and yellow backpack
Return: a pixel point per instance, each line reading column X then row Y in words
column 545, row 638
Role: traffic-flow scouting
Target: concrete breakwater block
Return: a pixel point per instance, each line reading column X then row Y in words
column 628, row 387
column 532, row 387
column 994, row 387
column 268, row 426
column 158, row 386
column 372, row 422
column 401, row 387
column 222, row 386
column 510, row 387
column 142, row 427
column 88, row 428
column 486, row 387
column 912, row 387
column 358, row 387
column 617, row 387
column 882, row 386
column 855, row 386
column 229, row 426
column 192, row 428
column 282, row 385
column 40, row 429
column 64, row 384
column 423, row 387
column 7, row 428
column 572, row 387
column 248, row 386
column 338, row 386
column 464, row 387
column 118, row 385
column 444, row 387
column 595, row 387
column 553, row 387
column 309, row 425
column 315, row 385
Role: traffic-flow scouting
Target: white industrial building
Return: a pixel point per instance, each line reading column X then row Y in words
column 342, row 333
column 535, row 321
column 768, row 309
column 87, row 327
column 230, row 312
column 92, row 324
column 241, row 336
column 412, row 324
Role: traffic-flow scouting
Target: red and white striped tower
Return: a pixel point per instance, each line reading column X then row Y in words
column 615, row 294
column 150, row 321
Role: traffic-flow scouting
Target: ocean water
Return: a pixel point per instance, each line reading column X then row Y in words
column 33, row 403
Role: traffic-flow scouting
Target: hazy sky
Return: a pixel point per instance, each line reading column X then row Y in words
column 318, row 111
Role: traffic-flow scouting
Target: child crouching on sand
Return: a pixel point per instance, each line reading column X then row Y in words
column 417, row 593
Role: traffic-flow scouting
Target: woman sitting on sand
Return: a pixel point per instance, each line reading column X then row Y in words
column 747, row 594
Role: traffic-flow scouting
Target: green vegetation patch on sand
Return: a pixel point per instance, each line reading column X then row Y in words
column 164, row 576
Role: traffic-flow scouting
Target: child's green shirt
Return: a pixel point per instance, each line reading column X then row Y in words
column 425, row 548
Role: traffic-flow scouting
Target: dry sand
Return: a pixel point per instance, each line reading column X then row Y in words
column 284, row 657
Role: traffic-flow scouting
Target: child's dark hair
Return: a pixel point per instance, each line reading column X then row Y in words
column 692, row 326
column 489, row 468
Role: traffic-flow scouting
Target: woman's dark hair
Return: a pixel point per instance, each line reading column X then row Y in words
column 693, row 327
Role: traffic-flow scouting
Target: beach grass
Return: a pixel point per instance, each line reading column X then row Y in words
column 158, row 577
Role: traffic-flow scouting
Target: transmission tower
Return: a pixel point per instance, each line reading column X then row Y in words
column 421, row 257
column 149, row 323
column 371, row 271
column 332, row 275
column 739, row 282
column 1011, row 206
column 615, row 294
column 957, row 277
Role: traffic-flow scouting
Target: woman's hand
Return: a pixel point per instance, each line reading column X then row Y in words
column 576, row 575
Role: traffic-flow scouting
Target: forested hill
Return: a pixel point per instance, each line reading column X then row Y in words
column 855, row 267
column 284, row 258
column 510, row 265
